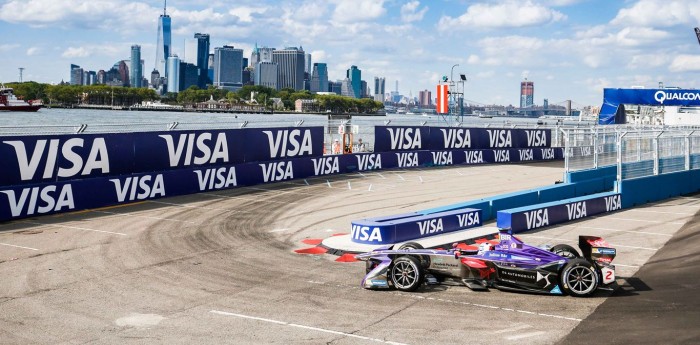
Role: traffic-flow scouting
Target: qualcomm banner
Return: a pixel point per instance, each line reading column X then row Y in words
column 538, row 216
column 437, row 138
column 30, row 199
column 411, row 226
column 46, row 158
column 613, row 98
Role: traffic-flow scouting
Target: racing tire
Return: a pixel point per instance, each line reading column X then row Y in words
column 406, row 273
column 411, row 245
column 579, row 278
column 566, row 251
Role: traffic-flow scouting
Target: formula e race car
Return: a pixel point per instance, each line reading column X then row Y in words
column 509, row 265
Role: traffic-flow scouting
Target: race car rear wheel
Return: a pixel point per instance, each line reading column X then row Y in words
column 566, row 251
column 406, row 273
column 579, row 278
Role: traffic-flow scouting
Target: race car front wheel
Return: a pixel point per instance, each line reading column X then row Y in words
column 565, row 250
column 579, row 278
column 406, row 273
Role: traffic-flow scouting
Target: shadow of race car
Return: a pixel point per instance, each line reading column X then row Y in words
column 508, row 265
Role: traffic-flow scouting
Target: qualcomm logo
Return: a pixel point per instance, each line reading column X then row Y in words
column 661, row 96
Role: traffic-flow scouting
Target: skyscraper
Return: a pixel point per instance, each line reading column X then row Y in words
column 266, row 74
column 379, row 88
column 307, row 63
column 262, row 54
column 290, row 68
column 527, row 94
column 174, row 70
column 355, row 76
column 76, row 75
column 202, row 59
column 228, row 67
column 346, row 89
column 425, row 99
column 164, row 41
column 319, row 78
column 136, row 74
column 189, row 75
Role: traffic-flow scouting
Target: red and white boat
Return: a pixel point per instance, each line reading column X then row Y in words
column 10, row 102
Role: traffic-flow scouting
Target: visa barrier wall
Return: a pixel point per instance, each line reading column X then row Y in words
column 541, row 215
column 412, row 226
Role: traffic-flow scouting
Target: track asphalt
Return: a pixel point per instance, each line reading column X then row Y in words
column 660, row 304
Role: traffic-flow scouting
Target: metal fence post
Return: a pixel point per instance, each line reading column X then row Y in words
column 687, row 150
column 566, row 150
column 595, row 149
column 655, row 152
column 619, row 161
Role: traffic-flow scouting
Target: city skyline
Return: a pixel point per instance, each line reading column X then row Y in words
column 570, row 49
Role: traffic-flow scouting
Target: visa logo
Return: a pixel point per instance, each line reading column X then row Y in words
column 547, row 153
column 576, row 210
column 405, row 138
column 40, row 200
column 369, row 162
column 277, row 171
column 442, row 158
column 216, row 178
column 468, row 219
column 326, row 165
column 456, row 138
column 613, row 203
column 197, row 149
column 364, row 233
column 526, row 155
column 289, row 143
column 430, row 226
column 500, row 138
column 536, row 138
column 408, row 159
column 474, row 157
column 72, row 150
column 139, row 187
column 537, row 218
column 585, row 151
column 501, row 156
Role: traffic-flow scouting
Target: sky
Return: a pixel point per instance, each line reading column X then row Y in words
column 570, row 49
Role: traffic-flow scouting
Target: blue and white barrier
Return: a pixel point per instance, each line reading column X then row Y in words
column 412, row 226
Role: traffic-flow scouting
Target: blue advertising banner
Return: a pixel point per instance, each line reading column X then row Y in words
column 485, row 138
column 612, row 111
column 542, row 215
column 265, row 144
column 393, row 138
column 400, row 228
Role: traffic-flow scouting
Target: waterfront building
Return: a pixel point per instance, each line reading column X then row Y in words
column 174, row 76
column 266, row 74
column 290, row 68
column 262, row 54
column 124, row 72
column 228, row 68
column 354, row 75
column 379, row 88
column 101, row 76
column 76, row 75
column 527, row 93
column 425, row 99
column 163, row 44
column 189, row 75
column 155, row 79
column 346, row 88
column 364, row 91
column 202, row 59
column 136, row 74
column 245, row 76
column 319, row 78
column 335, row 87
column 307, row 62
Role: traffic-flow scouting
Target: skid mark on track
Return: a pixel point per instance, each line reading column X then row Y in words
column 413, row 296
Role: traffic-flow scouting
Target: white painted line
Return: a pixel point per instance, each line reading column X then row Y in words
column 283, row 323
column 349, row 186
column 128, row 214
column 401, row 177
column 329, row 184
column 12, row 245
column 420, row 178
column 524, row 335
column 380, row 175
column 75, row 227
column 278, row 230
column 513, row 329
column 307, row 182
column 361, row 174
column 370, row 187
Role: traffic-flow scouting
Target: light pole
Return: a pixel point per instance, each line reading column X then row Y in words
column 452, row 84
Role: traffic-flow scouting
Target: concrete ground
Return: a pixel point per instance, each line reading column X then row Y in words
column 220, row 267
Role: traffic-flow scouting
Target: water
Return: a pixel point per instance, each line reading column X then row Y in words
column 52, row 121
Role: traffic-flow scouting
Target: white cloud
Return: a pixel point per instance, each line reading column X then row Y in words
column 646, row 61
column 411, row 13
column 659, row 13
column 358, row 10
column 8, row 47
column 506, row 14
column 33, row 51
column 73, row 52
column 245, row 14
column 319, row 56
column 685, row 63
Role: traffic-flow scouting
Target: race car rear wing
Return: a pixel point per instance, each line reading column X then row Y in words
column 596, row 249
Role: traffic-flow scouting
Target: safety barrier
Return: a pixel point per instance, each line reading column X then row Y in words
column 412, row 226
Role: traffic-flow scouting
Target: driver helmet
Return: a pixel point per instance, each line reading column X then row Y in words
column 484, row 247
